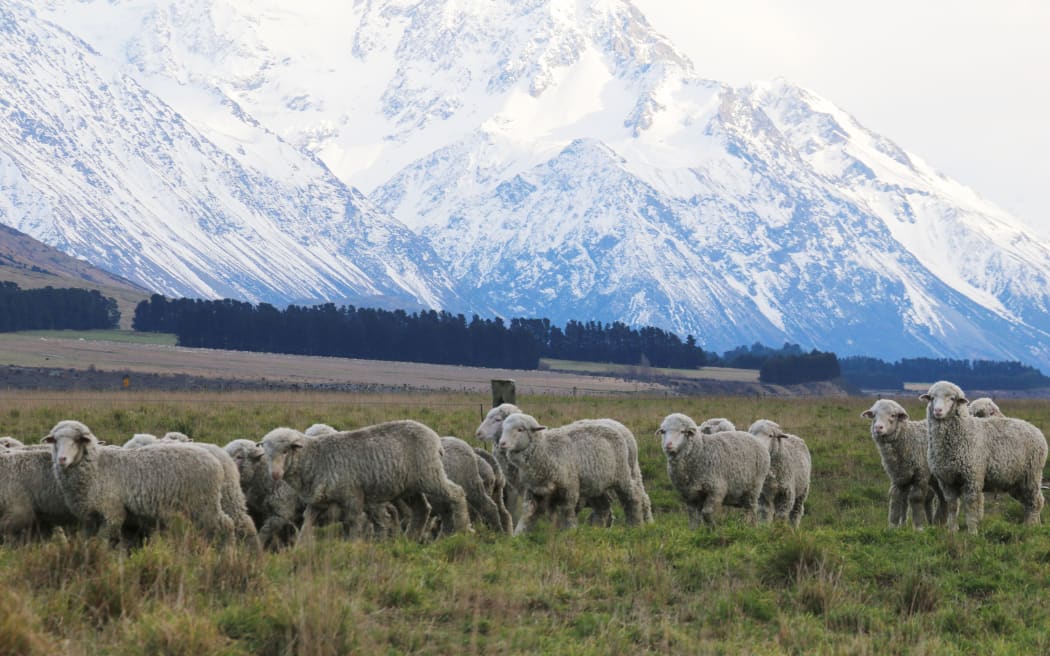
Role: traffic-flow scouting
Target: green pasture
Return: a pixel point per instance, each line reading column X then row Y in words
column 843, row 583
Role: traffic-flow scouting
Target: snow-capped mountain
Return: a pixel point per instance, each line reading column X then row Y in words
column 97, row 165
column 564, row 160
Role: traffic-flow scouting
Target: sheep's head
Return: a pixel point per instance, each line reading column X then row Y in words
column 247, row 455
column 985, row 407
column 944, row 400
column 282, row 446
column 71, row 441
column 10, row 443
column 675, row 431
column 767, row 429
column 491, row 428
column 319, row 429
column 518, row 431
column 176, row 436
column 886, row 416
column 716, row 425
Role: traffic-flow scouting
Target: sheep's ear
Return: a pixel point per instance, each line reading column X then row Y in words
column 690, row 431
column 540, row 428
column 962, row 399
column 659, row 432
column 925, row 397
column 868, row 414
column 902, row 415
column 101, row 442
column 48, row 439
column 84, row 438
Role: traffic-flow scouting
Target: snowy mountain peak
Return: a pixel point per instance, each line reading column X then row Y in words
column 557, row 158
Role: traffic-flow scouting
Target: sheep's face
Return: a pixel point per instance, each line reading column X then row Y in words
column 491, row 429
column 944, row 400
column 518, row 432
column 886, row 417
column 985, row 407
column 175, row 436
column 675, row 432
column 9, row 443
column 70, row 442
column 766, row 429
column 716, row 425
column 247, row 455
column 282, row 446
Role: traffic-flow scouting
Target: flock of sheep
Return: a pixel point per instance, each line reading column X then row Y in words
column 401, row 477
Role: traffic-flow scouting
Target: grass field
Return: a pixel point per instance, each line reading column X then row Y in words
column 843, row 583
column 700, row 373
column 121, row 336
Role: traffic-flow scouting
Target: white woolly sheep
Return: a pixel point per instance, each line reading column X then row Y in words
column 716, row 425
column 493, row 478
column 10, row 443
column 108, row 486
column 787, row 485
column 558, row 467
column 462, row 468
column 902, row 445
column 384, row 462
column 709, row 471
column 985, row 407
column 234, row 503
column 970, row 456
column 385, row 517
column 490, row 430
column 30, row 498
column 273, row 505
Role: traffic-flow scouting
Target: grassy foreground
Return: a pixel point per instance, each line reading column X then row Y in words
column 842, row 584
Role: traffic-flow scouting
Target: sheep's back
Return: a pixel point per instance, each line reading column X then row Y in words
column 161, row 477
column 1015, row 449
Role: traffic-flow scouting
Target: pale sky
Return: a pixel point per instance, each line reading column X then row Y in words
column 963, row 84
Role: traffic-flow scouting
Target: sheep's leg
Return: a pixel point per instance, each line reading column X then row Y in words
column 565, row 508
column 973, row 497
column 1033, row 501
column 420, row 513
column 898, row 508
column 601, row 511
column 798, row 508
column 940, row 517
column 951, row 508
column 765, row 508
column 917, row 501
column 306, row 529
column 530, row 508
column 928, row 510
column 783, row 504
column 714, row 501
column 633, row 506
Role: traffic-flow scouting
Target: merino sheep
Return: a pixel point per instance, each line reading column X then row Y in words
column 234, row 503
column 716, row 425
column 559, row 467
column 384, row 462
column 104, row 487
column 495, row 481
column 970, row 456
column 30, row 498
column 709, row 471
column 984, row 407
column 787, row 484
column 462, row 468
column 902, row 445
column 273, row 505
column 385, row 517
column 490, row 430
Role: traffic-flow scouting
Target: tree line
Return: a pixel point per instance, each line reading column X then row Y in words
column 48, row 308
column 872, row 373
column 426, row 336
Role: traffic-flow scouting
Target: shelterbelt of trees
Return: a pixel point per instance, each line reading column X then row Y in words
column 48, row 308
column 445, row 338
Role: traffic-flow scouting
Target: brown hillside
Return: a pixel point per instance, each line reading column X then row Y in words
column 32, row 264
